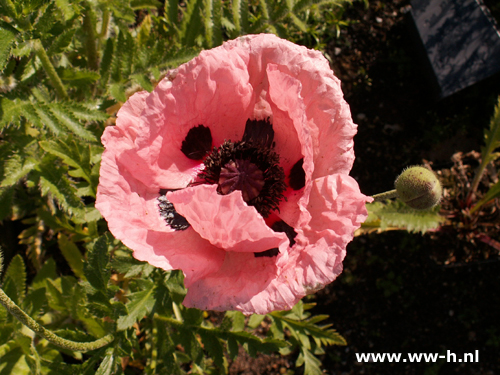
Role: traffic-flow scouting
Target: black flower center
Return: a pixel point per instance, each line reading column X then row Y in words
column 250, row 166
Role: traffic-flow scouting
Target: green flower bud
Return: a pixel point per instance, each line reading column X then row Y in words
column 419, row 188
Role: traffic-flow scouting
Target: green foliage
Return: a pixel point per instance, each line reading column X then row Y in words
column 397, row 215
column 66, row 67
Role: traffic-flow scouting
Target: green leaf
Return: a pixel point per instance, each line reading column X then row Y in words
column 67, row 119
column 82, row 75
column 397, row 214
column 117, row 91
column 96, row 268
column 54, row 183
column 48, row 119
column 72, row 255
column 67, row 9
column 492, row 137
column 492, row 193
column 214, row 347
column 11, row 112
column 144, row 81
column 145, row 4
column 85, row 112
column 55, row 296
column 7, row 36
column 140, row 304
column 48, row 271
column 15, row 168
column 312, row 364
column 108, row 363
column 61, row 42
column 14, row 279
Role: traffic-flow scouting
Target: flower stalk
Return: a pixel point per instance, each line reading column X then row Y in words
column 90, row 42
column 385, row 195
column 50, row 70
column 45, row 333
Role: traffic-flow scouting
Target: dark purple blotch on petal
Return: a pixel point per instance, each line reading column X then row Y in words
column 259, row 132
column 268, row 253
column 282, row 227
column 167, row 211
column 198, row 142
column 297, row 177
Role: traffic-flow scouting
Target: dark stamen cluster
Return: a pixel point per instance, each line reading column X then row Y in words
column 266, row 160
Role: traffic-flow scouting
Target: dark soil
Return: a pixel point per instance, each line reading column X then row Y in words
column 401, row 292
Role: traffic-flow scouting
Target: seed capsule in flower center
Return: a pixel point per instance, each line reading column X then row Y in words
column 241, row 175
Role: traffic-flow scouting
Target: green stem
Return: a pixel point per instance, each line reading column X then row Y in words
column 476, row 180
column 90, row 42
column 168, row 320
column 384, row 196
column 45, row 333
column 105, row 23
column 49, row 69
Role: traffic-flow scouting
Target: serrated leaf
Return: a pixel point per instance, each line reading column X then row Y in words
column 11, row 111
column 144, row 81
column 72, row 255
column 66, row 8
column 215, row 349
column 15, row 168
column 140, row 304
column 47, row 20
column 67, row 119
column 53, row 182
column 117, row 91
column 14, row 279
column 48, row 119
column 312, row 365
column 7, row 37
column 492, row 193
column 108, row 363
column 237, row 320
column 83, row 75
column 96, row 268
column 60, row 149
column 82, row 112
column 492, row 137
column 397, row 214
column 61, row 42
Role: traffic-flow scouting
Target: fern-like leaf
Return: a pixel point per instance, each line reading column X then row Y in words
column 54, row 183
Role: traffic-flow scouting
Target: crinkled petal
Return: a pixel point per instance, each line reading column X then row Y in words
column 226, row 221
column 337, row 209
column 328, row 115
column 293, row 141
column 241, row 284
column 131, row 210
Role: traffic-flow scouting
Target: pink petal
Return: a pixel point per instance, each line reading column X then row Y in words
column 131, row 210
column 238, row 285
column 226, row 221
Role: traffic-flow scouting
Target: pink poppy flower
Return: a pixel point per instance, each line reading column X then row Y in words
column 235, row 171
